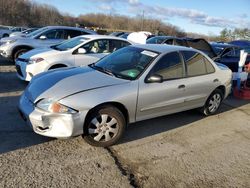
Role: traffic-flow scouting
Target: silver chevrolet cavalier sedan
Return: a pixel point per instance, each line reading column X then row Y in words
column 132, row 84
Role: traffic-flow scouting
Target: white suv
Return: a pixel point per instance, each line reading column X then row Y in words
column 13, row 47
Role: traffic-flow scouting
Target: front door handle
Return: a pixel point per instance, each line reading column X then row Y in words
column 216, row 80
column 181, row 86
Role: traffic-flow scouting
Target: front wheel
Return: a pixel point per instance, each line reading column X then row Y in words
column 213, row 103
column 19, row 53
column 104, row 127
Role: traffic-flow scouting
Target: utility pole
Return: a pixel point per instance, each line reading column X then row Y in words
column 142, row 26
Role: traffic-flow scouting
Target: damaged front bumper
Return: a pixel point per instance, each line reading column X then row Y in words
column 55, row 125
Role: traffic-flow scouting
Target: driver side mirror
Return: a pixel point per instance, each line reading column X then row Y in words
column 43, row 37
column 154, row 79
column 81, row 51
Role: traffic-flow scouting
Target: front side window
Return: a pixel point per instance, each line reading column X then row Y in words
column 197, row 64
column 126, row 63
column 72, row 33
column 54, row 34
column 97, row 46
column 117, row 44
column 170, row 66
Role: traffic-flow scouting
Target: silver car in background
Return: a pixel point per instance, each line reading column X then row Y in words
column 132, row 84
column 13, row 47
column 78, row 51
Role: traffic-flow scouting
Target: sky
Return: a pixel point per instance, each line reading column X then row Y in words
column 198, row 16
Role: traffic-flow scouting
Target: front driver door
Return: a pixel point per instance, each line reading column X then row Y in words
column 157, row 99
column 54, row 36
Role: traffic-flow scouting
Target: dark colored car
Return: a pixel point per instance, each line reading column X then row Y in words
column 117, row 34
column 241, row 43
column 230, row 57
column 218, row 47
column 124, row 35
column 199, row 44
column 157, row 39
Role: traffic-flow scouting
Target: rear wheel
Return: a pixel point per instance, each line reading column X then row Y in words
column 213, row 103
column 104, row 127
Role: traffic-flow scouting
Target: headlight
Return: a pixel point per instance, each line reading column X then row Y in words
column 35, row 60
column 10, row 41
column 50, row 105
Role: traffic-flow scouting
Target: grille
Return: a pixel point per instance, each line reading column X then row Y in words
column 21, row 59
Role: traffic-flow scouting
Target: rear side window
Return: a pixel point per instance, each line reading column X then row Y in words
column 170, row 66
column 209, row 66
column 197, row 64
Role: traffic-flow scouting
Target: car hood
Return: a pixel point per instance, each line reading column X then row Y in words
column 5, row 39
column 58, row 84
column 39, row 52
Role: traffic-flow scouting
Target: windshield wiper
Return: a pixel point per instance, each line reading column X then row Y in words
column 101, row 69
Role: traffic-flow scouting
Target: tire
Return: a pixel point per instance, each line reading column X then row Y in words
column 213, row 103
column 19, row 52
column 104, row 127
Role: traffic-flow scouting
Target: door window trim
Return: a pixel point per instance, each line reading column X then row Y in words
column 164, row 80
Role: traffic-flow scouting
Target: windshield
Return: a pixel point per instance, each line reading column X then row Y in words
column 69, row 44
column 34, row 33
column 126, row 63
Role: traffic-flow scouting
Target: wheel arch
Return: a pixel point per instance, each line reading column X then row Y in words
column 20, row 47
column 57, row 65
column 118, row 105
column 223, row 89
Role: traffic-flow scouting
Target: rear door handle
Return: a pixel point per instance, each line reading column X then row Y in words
column 181, row 86
column 216, row 80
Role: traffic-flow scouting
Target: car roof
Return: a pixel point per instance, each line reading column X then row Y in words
column 163, row 48
column 68, row 27
column 92, row 37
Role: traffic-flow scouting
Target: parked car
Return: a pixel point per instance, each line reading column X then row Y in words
column 78, row 51
column 117, row 33
column 23, row 33
column 6, row 31
column 13, row 47
column 241, row 43
column 134, row 83
column 124, row 35
column 230, row 57
column 199, row 44
column 218, row 47
column 157, row 39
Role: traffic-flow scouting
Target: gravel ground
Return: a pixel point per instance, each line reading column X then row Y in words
column 180, row 150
